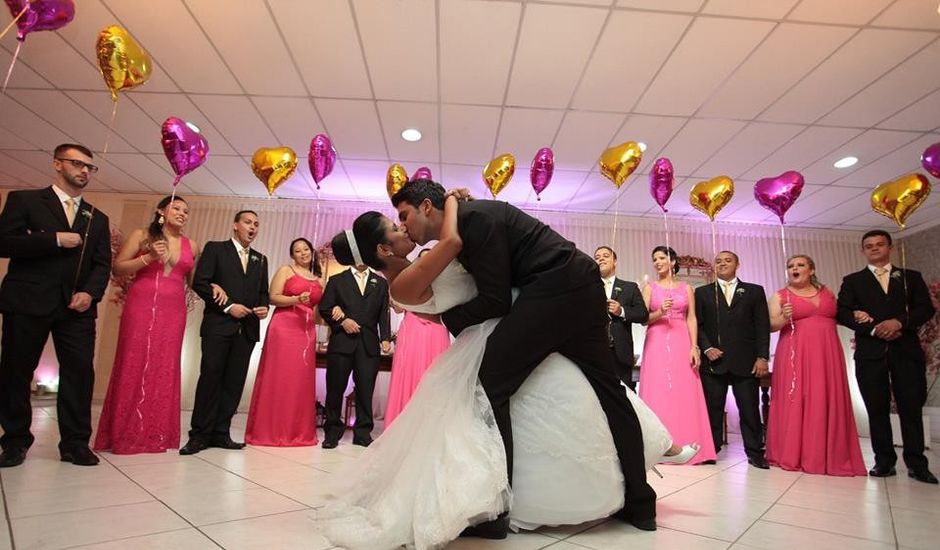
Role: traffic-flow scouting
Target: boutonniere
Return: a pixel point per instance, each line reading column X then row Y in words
column 739, row 291
column 373, row 281
column 254, row 258
column 618, row 289
column 896, row 274
column 87, row 213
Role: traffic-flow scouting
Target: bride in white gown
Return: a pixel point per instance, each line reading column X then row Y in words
column 441, row 466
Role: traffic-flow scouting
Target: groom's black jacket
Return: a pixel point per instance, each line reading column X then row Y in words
column 503, row 248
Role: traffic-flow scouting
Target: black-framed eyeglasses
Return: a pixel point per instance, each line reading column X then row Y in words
column 80, row 164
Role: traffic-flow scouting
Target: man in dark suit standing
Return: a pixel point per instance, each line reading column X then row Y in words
column 59, row 247
column 355, row 305
column 885, row 306
column 232, row 280
column 561, row 307
column 624, row 306
column 734, row 332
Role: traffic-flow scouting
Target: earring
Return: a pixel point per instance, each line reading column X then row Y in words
column 389, row 253
column 161, row 220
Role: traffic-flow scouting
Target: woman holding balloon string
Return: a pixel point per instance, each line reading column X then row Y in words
column 141, row 412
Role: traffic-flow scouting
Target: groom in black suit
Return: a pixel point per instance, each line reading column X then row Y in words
column 59, row 247
column 734, row 333
column 561, row 307
column 885, row 306
column 625, row 306
column 232, row 280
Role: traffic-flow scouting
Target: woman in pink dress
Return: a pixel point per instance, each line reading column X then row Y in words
column 141, row 412
column 417, row 345
column 669, row 378
column 283, row 411
column 811, row 425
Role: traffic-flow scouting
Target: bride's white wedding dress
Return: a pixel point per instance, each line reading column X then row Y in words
column 441, row 466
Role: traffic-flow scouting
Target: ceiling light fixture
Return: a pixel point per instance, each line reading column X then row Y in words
column 411, row 134
column 845, row 162
column 642, row 146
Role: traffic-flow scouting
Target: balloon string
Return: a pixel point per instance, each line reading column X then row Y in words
column 15, row 19
column 81, row 256
column 16, row 54
column 107, row 136
column 717, row 310
column 613, row 235
column 907, row 307
column 789, row 300
column 316, row 223
column 153, row 321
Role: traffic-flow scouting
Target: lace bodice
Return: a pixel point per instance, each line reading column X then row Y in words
column 454, row 286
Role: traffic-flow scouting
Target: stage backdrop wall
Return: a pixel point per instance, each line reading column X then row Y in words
column 759, row 247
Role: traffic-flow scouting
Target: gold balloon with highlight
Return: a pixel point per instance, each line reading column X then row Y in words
column 617, row 163
column 709, row 197
column 498, row 172
column 899, row 199
column 123, row 63
column 273, row 166
column 395, row 179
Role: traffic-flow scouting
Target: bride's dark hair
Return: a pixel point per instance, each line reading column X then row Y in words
column 369, row 233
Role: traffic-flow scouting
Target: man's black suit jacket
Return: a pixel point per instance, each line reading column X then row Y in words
column 862, row 291
column 627, row 294
column 42, row 276
column 220, row 264
column 741, row 331
column 370, row 310
column 503, row 247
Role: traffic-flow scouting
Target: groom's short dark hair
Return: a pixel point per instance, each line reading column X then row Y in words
column 414, row 192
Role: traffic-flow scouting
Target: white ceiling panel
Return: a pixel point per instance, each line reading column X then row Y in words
column 563, row 186
column 236, row 174
column 846, row 12
column 458, row 175
column 153, row 177
column 169, row 33
column 10, row 140
column 71, row 118
column 599, row 194
column 28, row 126
column 31, row 171
column 238, row 120
column 806, row 148
column 912, row 14
column 582, row 138
column 12, row 182
column 764, row 9
column 477, row 40
column 818, row 198
column 397, row 116
column 199, row 180
column 51, row 56
column 22, row 76
column 847, row 211
column 923, row 115
column 368, row 178
column 354, row 128
column 468, row 133
column 554, row 45
column 746, row 209
column 524, row 131
column 293, row 120
column 698, row 141
column 868, row 147
column 791, row 51
column 689, row 6
column 322, row 38
column 131, row 123
column 400, row 42
column 752, row 145
column 859, row 62
column 688, row 77
column 654, row 131
column 632, row 48
column 162, row 106
column 895, row 164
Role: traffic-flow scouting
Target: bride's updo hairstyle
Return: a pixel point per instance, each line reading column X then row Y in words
column 369, row 233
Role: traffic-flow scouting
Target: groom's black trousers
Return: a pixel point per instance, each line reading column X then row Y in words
column 573, row 323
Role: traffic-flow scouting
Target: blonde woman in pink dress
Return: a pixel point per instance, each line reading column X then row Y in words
column 669, row 377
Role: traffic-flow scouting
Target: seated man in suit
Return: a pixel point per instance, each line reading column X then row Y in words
column 624, row 306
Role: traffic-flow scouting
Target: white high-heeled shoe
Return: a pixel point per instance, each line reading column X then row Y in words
column 685, row 455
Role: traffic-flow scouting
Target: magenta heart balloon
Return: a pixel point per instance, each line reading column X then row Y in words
column 540, row 174
column 778, row 194
column 40, row 15
column 321, row 158
column 423, row 173
column 662, row 177
column 184, row 146
column 931, row 160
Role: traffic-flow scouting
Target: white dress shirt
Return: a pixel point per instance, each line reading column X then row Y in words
column 63, row 197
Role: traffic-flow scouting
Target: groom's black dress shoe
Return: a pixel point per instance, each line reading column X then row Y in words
column 79, row 456
column 759, row 462
column 14, row 456
column 226, row 443
column 329, row 443
column 193, row 446
column 923, row 476
column 495, row 529
column 644, row 524
column 882, row 471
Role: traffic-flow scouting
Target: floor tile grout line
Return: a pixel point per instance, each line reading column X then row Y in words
column 85, row 545
column 236, row 474
column 769, row 508
column 6, row 514
column 894, row 528
column 816, row 529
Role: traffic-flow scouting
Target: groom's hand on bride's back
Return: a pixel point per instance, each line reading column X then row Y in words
column 462, row 194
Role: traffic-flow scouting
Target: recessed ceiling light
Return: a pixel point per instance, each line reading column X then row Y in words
column 845, row 162
column 642, row 146
column 411, row 134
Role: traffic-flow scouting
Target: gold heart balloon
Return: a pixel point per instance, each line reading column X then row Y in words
column 498, row 172
column 617, row 163
column 899, row 199
column 708, row 197
column 395, row 179
column 273, row 166
column 123, row 63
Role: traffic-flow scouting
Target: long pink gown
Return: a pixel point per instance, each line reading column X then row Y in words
column 811, row 425
column 141, row 412
column 419, row 342
column 668, row 384
column 283, row 410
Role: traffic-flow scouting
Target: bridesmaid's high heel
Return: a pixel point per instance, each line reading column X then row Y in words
column 685, row 455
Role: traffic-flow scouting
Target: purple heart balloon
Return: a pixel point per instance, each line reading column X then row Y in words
column 184, row 146
column 931, row 160
column 662, row 177
column 423, row 173
column 322, row 157
column 41, row 15
column 540, row 174
column 778, row 194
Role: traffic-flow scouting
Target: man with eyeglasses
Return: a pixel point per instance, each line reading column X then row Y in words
column 59, row 247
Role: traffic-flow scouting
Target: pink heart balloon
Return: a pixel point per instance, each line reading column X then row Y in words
column 41, row 15
column 662, row 178
column 423, row 173
column 321, row 158
column 540, row 174
column 931, row 160
column 778, row 194
column 184, row 146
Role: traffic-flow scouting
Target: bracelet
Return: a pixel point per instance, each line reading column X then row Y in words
column 144, row 260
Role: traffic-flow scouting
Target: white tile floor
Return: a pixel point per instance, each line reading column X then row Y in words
column 262, row 497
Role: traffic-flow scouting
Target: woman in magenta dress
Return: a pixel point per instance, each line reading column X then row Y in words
column 669, row 378
column 417, row 345
column 283, row 411
column 141, row 412
column 811, row 425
